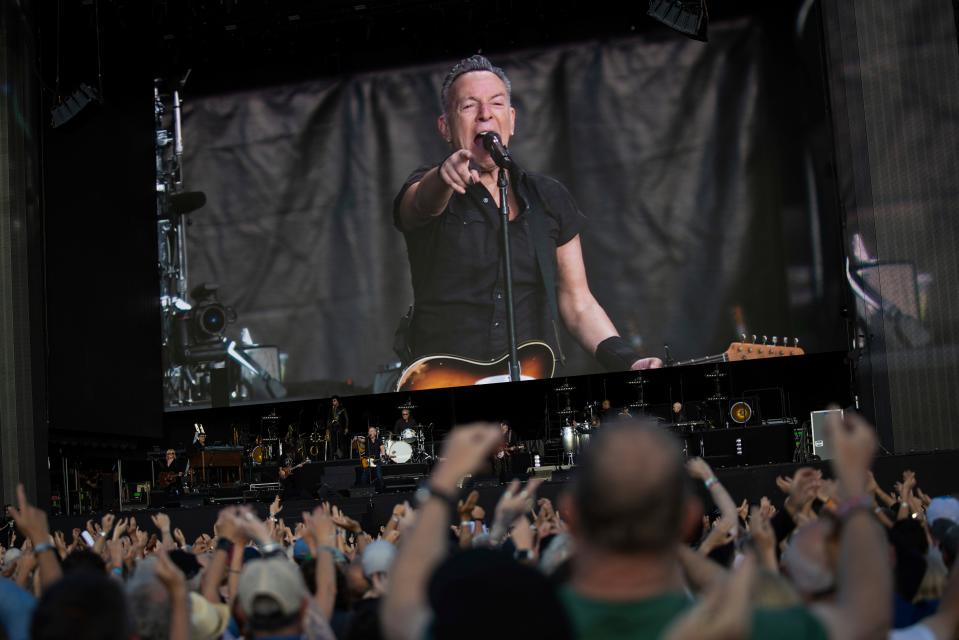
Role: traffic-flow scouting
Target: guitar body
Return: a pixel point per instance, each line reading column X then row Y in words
column 286, row 471
column 536, row 362
column 166, row 478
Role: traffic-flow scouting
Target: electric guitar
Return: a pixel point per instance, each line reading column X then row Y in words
column 285, row 472
column 167, row 478
column 537, row 361
column 749, row 351
column 370, row 462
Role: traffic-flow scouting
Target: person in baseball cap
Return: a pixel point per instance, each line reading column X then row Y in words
column 272, row 598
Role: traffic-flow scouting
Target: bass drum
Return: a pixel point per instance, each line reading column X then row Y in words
column 399, row 451
column 259, row 454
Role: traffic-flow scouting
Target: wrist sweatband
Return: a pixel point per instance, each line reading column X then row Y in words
column 40, row 548
column 224, row 544
column 616, row 354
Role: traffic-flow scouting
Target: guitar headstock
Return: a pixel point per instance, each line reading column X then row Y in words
column 754, row 349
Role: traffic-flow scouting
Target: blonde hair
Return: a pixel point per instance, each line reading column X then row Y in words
column 933, row 583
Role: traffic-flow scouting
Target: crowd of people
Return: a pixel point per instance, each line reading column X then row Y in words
column 628, row 551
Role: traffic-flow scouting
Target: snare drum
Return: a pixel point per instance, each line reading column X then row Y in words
column 399, row 451
column 258, row 455
column 408, row 435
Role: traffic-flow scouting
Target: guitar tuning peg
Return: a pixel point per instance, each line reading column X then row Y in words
column 754, row 339
column 785, row 341
column 795, row 342
column 775, row 341
column 765, row 339
column 742, row 337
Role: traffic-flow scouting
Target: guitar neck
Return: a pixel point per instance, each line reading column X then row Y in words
column 721, row 357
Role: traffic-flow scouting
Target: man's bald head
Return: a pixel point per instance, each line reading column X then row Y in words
column 631, row 489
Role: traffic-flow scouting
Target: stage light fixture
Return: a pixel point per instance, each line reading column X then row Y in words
column 688, row 17
column 66, row 110
column 741, row 412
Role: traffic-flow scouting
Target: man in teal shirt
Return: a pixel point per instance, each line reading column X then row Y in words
column 631, row 507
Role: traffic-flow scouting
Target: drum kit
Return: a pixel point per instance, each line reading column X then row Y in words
column 292, row 449
column 574, row 433
column 408, row 446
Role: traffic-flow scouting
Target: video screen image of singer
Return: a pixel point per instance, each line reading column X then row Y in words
column 662, row 204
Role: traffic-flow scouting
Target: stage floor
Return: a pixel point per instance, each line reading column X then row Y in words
column 935, row 472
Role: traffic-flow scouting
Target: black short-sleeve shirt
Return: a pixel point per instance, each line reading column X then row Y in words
column 456, row 268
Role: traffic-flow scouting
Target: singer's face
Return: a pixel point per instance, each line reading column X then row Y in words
column 479, row 102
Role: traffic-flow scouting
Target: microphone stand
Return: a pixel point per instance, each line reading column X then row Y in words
column 502, row 182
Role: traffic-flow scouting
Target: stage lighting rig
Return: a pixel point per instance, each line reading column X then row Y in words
column 688, row 17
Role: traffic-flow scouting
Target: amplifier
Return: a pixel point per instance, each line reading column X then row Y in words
column 820, row 446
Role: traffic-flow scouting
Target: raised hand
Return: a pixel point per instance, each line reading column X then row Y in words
column 854, row 445
column 523, row 535
column 275, row 507
column 179, row 537
column 465, row 507
column 766, row 508
column 31, row 521
column 764, row 538
column 161, row 521
column 345, row 522
column 120, row 528
column 721, row 534
column 513, row 503
column 699, row 469
column 228, row 526
column 743, row 510
column 465, row 449
column 169, row 574
column 802, row 490
column 456, row 171
column 106, row 523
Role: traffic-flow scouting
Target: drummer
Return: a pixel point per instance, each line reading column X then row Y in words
column 404, row 422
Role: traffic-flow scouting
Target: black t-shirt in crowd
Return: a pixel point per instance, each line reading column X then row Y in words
column 455, row 263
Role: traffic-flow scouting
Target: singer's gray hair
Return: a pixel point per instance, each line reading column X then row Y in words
column 473, row 63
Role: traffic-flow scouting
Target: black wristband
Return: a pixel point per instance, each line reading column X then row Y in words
column 224, row 544
column 616, row 354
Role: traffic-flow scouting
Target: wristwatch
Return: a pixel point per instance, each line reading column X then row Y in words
column 523, row 555
column 425, row 492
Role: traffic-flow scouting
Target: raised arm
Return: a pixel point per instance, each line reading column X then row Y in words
column 864, row 580
column 700, row 470
column 424, row 546
column 581, row 313
column 428, row 197
column 32, row 522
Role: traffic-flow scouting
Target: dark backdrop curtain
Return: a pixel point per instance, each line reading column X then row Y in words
column 675, row 151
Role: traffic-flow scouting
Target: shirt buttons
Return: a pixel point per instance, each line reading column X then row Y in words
column 485, row 200
column 499, row 296
column 496, row 324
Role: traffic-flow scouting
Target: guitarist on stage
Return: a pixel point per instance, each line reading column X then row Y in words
column 502, row 460
column 374, row 458
column 171, row 474
column 448, row 214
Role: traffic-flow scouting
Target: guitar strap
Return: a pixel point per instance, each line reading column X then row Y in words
column 546, row 259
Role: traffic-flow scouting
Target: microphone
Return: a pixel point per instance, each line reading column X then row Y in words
column 494, row 146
